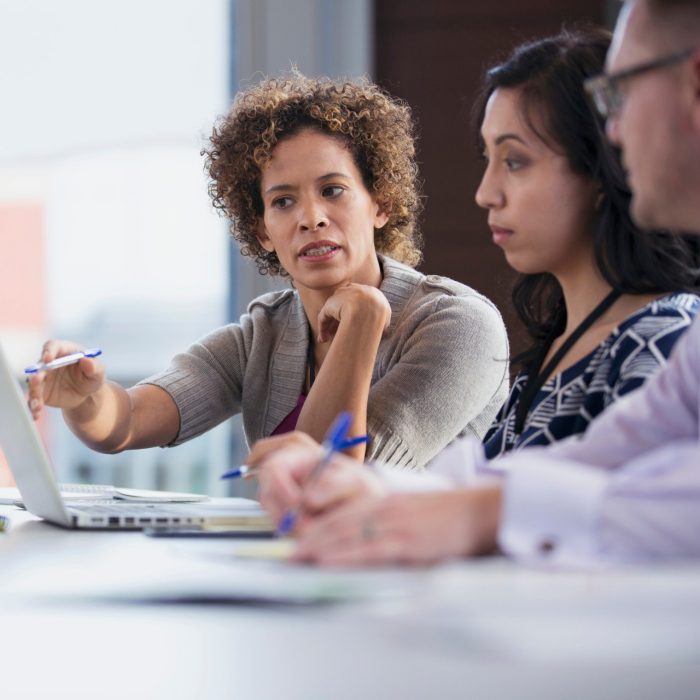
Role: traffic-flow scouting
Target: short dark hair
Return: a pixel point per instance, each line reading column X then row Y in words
column 674, row 24
column 549, row 74
column 662, row 6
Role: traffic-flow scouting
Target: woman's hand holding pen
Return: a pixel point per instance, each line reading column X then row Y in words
column 353, row 301
column 104, row 415
column 284, row 465
column 67, row 387
column 272, row 458
column 349, row 519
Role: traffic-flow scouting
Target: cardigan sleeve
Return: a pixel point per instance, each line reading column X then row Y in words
column 447, row 377
column 206, row 381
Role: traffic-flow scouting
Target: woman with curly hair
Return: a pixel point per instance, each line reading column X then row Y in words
column 318, row 178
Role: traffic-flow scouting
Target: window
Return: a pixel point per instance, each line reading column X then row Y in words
column 107, row 235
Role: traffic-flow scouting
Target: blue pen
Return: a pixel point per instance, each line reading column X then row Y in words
column 333, row 442
column 237, row 472
column 246, row 469
column 62, row 361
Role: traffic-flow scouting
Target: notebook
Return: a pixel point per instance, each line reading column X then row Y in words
column 41, row 495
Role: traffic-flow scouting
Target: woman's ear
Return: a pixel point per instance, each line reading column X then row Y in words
column 263, row 238
column 599, row 199
column 381, row 217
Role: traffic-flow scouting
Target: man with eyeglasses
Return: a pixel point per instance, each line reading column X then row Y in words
column 628, row 489
column 648, row 97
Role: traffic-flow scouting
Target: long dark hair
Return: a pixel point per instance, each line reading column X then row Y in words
column 549, row 74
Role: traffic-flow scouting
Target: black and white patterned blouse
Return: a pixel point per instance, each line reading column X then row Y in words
column 569, row 401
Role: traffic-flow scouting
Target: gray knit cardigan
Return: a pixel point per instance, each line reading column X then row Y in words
column 441, row 369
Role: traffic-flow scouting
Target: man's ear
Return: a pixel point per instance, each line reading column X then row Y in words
column 263, row 238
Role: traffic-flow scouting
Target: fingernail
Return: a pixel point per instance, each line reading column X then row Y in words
column 34, row 404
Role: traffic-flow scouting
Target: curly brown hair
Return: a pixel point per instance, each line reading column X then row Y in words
column 377, row 129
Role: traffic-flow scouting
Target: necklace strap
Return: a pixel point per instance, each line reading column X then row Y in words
column 537, row 378
column 311, row 359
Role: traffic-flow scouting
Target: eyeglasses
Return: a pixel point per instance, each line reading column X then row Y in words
column 605, row 90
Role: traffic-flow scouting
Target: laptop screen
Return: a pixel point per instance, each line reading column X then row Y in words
column 24, row 451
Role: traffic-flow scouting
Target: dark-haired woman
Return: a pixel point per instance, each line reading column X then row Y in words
column 604, row 304
column 319, row 180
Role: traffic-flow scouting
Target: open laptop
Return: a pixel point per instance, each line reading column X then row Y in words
column 41, row 496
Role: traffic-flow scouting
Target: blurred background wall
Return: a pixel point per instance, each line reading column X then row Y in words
column 434, row 54
column 107, row 236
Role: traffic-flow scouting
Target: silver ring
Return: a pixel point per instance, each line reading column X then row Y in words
column 369, row 530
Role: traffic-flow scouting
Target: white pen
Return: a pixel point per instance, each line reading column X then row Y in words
column 62, row 361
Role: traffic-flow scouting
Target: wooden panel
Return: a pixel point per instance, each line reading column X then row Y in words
column 547, row 13
column 433, row 54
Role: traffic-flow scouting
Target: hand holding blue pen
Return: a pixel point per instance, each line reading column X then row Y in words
column 335, row 440
column 59, row 380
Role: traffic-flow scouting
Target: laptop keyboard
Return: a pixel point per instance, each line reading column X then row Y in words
column 97, row 489
column 106, row 508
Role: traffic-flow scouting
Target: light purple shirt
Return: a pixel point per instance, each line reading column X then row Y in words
column 628, row 489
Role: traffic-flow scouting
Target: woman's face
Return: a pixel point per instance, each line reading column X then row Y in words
column 318, row 216
column 540, row 212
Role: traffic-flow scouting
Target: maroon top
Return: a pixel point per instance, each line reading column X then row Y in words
column 289, row 422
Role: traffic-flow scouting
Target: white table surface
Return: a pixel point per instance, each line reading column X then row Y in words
column 92, row 615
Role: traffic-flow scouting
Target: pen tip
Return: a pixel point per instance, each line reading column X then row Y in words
column 286, row 524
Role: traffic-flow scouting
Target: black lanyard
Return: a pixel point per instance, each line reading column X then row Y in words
column 311, row 360
column 537, row 378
